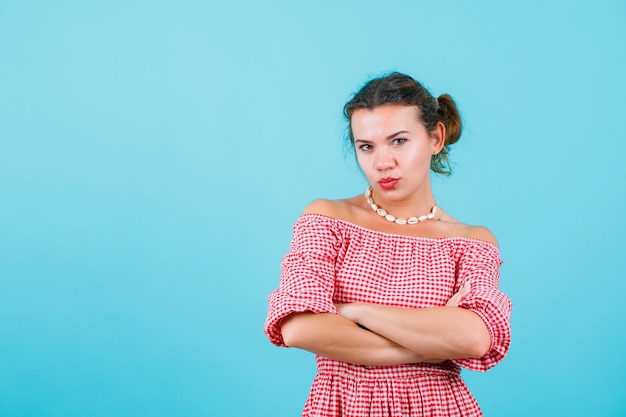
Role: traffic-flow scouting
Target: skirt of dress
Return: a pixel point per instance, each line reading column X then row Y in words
column 346, row 390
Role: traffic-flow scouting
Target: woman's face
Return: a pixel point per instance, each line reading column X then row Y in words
column 394, row 149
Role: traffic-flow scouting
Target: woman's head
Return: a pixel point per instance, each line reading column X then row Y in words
column 402, row 90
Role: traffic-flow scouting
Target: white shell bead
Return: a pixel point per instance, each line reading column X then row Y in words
column 400, row 220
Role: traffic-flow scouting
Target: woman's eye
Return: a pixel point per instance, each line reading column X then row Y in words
column 398, row 141
column 365, row 147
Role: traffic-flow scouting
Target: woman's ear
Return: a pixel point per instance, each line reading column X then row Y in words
column 438, row 135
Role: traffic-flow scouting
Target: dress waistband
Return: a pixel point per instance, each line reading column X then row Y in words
column 444, row 369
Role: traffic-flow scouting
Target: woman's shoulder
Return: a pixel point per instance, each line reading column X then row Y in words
column 336, row 209
column 323, row 219
column 460, row 229
column 480, row 233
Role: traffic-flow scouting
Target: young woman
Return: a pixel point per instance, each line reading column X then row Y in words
column 390, row 292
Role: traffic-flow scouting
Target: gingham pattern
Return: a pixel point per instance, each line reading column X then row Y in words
column 334, row 261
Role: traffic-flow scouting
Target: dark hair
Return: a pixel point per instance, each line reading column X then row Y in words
column 400, row 89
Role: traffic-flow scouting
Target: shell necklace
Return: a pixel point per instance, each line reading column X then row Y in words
column 397, row 220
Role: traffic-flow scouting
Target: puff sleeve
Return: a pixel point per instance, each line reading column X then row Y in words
column 478, row 264
column 308, row 274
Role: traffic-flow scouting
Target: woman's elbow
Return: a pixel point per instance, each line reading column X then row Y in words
column 480, row 344
column 291, row 329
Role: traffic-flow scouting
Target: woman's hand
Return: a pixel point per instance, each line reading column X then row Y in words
column 456, row 299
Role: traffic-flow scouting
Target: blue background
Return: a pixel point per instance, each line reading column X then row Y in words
column 154, row 156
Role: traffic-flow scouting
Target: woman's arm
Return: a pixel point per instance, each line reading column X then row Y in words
column 338, row 338
column 436, row 332
column 450, row 332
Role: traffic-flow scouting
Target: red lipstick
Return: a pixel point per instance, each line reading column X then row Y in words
column 388, row 183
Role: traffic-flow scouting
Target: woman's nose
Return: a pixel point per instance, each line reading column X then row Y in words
column 384, row 160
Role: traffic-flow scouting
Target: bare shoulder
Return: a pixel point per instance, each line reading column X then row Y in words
column 481, row 233
column 457, row 228
column 338, row 209
column 324, row 207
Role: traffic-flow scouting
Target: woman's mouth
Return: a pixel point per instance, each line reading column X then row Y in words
column 388, row 183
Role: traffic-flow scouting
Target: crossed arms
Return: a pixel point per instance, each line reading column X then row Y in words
column 392, row 335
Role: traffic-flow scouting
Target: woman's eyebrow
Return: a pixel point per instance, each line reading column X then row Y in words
column 397, row 133
column 393, row 135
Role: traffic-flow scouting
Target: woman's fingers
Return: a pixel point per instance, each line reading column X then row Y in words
column 456, row 299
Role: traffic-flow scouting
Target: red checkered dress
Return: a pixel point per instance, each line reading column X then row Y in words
column 332, row 261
